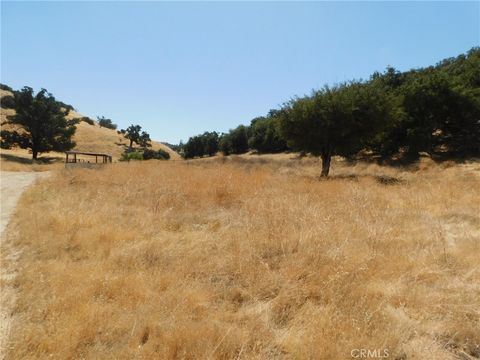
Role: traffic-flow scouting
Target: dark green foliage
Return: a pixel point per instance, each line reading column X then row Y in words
column 152, row 154
column 438, row 109
column 201, row 145
column 9, row 139
column 7, row 102
column 210, row 143
column 235, row 141
column 6, row 88
column 434, row 109
column 265, row 135
column 106, row 123
column 464, row 70
column 66, row 106
column 193, row 148
column 44, row 122
column 131, row 155
column 135, row 134
column 146, row 154
column 335, row 121
column 87, row 120
column 460, row 132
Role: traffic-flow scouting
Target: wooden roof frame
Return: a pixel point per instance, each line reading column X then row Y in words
column 106, row 158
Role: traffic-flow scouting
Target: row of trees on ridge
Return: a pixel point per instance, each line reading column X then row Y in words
column 435, row 110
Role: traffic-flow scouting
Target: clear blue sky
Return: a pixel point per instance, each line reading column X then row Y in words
column 179, row 69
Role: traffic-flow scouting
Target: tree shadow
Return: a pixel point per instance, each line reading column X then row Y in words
column 457, row 159
column 23, row 160
column 412, row 162
column 381, row 179
column 395, row 162
column 351, row 177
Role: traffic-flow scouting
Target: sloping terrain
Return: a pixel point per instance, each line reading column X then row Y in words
column 91, row 138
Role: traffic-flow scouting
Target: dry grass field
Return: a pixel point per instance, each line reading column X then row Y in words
column 249, row 258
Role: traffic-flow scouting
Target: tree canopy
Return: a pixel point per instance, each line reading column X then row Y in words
column 135, row 134
column 392, row 114
column 335, row 121
column 235, row 141
column 42, row 121
column 106, row 123
column 265, row 136
column 200, row 145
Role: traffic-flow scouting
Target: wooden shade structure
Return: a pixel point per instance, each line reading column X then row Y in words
column 71, row 157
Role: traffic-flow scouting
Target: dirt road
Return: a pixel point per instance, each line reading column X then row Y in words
column 12, row 186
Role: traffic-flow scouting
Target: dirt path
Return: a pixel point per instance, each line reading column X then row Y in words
column 12, row 186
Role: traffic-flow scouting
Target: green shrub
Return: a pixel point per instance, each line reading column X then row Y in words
column 133, row 155
column 7, row 102
column 152, row 154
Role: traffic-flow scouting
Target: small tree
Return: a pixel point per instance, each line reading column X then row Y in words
column 135, row 134
column 106, row 123
column 335, row 121
column 43, row 122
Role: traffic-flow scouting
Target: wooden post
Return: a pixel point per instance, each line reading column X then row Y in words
column 66, row 159
column 74, row 158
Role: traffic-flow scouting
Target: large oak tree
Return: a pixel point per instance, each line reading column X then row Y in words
column 335, row 121
column 42, row 122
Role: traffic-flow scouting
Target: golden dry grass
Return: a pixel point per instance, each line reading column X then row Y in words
column 21, row 160
column 93, row 138
column 240, row 259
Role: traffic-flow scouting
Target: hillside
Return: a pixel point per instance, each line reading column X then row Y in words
column 92, row 138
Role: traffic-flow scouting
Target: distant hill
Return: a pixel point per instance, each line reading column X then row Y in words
column 92, row 138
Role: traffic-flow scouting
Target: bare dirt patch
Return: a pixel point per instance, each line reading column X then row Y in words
column 12, row 186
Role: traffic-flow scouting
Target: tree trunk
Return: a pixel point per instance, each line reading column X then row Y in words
column 34, row 154
column 131, row 143
column 326, row 158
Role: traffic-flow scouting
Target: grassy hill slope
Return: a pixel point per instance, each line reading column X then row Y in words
column 92, row 138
